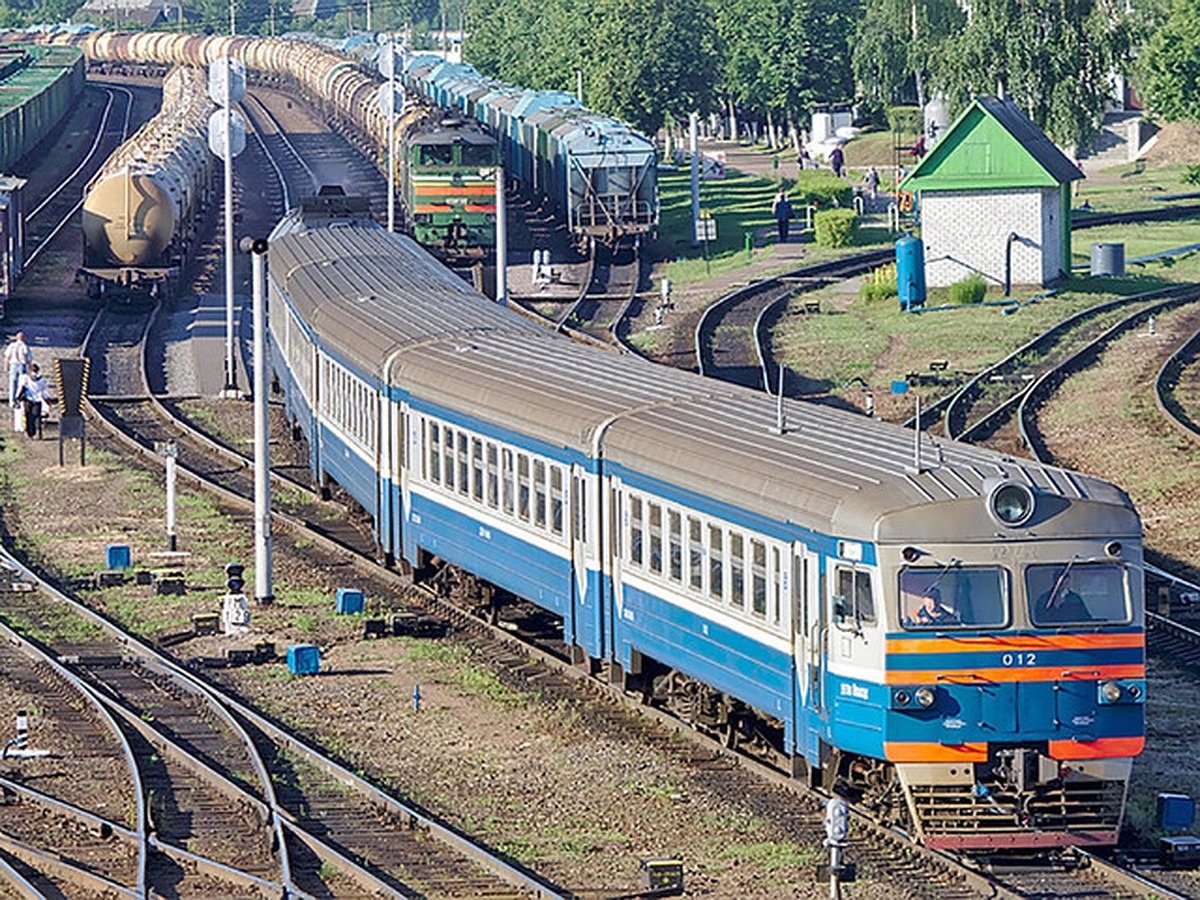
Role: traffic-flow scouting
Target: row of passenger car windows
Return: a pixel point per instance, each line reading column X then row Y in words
column 978, row 596
column 520, row 485
column 349, row 402
column 711, row 560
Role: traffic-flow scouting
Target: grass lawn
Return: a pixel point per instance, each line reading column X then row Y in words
column 875, row 341
column 741, row 205
column 1132, row 186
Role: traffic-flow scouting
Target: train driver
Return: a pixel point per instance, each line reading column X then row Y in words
column 931, row 612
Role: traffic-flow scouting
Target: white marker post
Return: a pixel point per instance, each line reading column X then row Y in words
column 169, row 456
column 227, row 138
column 264, row 593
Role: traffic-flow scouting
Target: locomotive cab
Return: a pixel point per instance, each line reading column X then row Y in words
column 1013, row 683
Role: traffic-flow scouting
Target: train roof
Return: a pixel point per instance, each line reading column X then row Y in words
column 830, row 471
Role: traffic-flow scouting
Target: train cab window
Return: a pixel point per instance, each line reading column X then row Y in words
column 635, row 530
column 758, row 578
column 695, row 554
column 478, row 154
column 675, row 539
column 448, row 457
column 464, row 464
column 716, row 563
column 435, row 453
column 1076, row 594
column 507, row 459
column 477, row 469
column 656, row 537
column 539, row 493
column 493, row 476
column 437, row 155
column 737, row 570
column 953, row 597
column 556, row 500
column 523, row 487
column 853, row 587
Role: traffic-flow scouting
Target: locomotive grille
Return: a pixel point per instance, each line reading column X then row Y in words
column 1085, row 805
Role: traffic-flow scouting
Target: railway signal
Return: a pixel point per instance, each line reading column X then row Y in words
column 263, row 590
column 391, row 106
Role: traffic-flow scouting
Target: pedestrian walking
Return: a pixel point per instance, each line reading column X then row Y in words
column 782, row 210
column 32, row 391
column 17, row 357
column 872, row 182
column 837, row 159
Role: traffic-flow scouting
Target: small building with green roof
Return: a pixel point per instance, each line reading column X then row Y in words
column 994, row 180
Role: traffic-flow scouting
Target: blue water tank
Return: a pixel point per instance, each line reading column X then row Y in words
column 910, row 271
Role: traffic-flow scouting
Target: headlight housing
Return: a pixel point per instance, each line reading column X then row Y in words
column 1009, row 503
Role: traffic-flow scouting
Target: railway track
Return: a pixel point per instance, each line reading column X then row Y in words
column 1052, row 375
column 51, row 215
column 731, row 335
column 1177, row 388
column 608, row 293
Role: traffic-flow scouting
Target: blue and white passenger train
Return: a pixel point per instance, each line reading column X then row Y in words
column 957, row 639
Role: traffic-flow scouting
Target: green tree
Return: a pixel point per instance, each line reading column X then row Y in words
column 1053, row 58
column 896, row 43
column 1170, row 65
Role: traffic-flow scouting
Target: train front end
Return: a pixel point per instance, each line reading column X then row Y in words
column 1015, row 666
column 450, row 188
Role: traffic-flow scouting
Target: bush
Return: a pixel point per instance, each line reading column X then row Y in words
column 1191, row 175
column 971, row 289
column 906, row 119
column 880, row 284
column 822, row 187
column 835, row 227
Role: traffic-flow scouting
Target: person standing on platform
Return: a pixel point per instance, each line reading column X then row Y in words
column 837, row 159
column 872, row 183
column 17, row 356
column 782, row 210
column 32, row 392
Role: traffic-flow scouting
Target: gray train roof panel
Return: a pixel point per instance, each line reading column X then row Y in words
column 367, row 292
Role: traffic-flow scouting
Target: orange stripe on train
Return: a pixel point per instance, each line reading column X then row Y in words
column 1014, row 674
column 446, row 207
column 919, row 752
column 441, row 190
column 1015, row 644
column 1101, row 748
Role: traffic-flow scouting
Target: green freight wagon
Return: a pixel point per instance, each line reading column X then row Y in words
column 38, row 86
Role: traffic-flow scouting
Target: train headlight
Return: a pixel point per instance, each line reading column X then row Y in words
column 1110, row 691
column 901, row 698
column 1009, row 502
column 925, row 696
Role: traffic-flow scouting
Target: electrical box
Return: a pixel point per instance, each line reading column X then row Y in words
column 662, row 876
column 117, row 556
column 1176, row 812
column 349, row 602
column 1183, row 852
column 304, row 659
column 206, row 623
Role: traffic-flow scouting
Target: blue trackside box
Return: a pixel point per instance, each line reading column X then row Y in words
column 304, row 659
column 117, row 556
column 1176, row 812
column 349, row 601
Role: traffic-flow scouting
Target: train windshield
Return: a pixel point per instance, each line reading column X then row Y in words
column 437, row 155
column 1076, row 594
column 478, row 154
column 954, row 596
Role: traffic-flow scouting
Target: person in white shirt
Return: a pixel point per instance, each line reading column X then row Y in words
column 17, row 358
column 32, row 391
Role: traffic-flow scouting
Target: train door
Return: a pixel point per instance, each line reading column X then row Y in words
column 587, row 606
column 613, row 518
column 815, row 624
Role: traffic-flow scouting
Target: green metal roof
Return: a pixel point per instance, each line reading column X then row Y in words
column 992, row 145
column 45, row 66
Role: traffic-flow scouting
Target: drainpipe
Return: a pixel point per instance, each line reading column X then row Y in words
column 1012, row 237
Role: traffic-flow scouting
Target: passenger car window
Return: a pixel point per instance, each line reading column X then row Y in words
column 1076, row 594
column 635, row 530
column 954, row 597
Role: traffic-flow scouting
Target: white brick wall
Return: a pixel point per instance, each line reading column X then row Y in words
column 967, row 231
